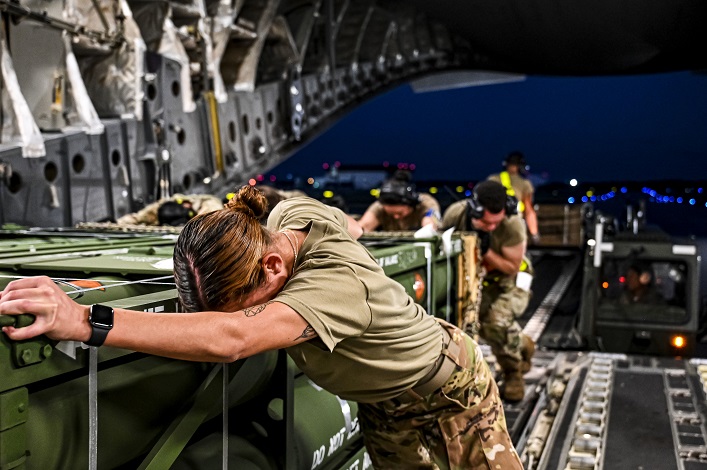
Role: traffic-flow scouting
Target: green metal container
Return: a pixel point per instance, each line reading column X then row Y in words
column 428, row 272
column 324, row 427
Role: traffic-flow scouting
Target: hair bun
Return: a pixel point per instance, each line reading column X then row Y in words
column 250, row 201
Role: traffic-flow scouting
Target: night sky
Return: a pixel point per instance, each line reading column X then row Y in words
column 639, row 128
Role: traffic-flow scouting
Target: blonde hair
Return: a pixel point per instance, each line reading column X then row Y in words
column 217, row 255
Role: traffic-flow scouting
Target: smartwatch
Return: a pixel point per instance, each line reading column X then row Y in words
column 100, row 317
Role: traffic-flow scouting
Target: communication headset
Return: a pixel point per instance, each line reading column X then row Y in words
column 174, row 213
column 398, row 192
column 475, row 210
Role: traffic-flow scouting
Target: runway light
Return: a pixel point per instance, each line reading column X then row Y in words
column 433, row 190
column 310, row 180
column 570, row 200
column 678, row 341
column 375, row 192
column 692, row 202
column 252, row 181
column 460, row 189
column 605, row 285
column 622, row 279
column 328, row 194
column 624, row 190
column 573, row 182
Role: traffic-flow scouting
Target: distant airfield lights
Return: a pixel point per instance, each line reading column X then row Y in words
column 460, row 189
column 252, row 182
column 403, row 166
column 573, row 182
column 310, row 180
column 605, row 285
column 328, row 194
column 433, row 190
column 375, row 192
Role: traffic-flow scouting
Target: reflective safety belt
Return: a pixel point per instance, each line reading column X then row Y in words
column 506, row 182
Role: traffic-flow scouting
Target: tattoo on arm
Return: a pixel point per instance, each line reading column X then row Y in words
column 307, row 333
column 253, row 311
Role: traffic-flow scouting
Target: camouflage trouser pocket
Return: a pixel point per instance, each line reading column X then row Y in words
column 477, row 437
column 518, row 300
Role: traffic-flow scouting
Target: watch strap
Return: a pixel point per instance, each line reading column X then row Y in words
column 98, row 336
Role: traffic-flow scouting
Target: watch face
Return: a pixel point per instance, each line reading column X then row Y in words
column 101, row 316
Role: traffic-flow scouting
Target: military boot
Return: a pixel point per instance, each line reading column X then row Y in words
column 513, row 386
column 527, row 349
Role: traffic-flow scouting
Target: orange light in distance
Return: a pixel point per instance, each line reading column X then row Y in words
column 678, row 341
column 605, row 285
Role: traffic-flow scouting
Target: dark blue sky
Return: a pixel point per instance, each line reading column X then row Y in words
column 637, row 128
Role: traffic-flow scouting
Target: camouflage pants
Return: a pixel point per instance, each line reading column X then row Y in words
column 501, row 303
column 461, row 425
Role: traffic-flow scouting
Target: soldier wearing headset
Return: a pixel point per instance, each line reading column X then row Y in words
column 513, row 179
column 492, row 214
column 400, row 207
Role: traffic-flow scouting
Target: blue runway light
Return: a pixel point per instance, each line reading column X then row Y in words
column 585, row 198
column 692, row 202
column 593, row 198
column 624, row 190
column 570, row 200
column 679, row 200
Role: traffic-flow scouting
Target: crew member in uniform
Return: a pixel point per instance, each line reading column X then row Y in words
column 512, row 178
column 491, row 213
column 400, row 207
column 427, row 398
column 175, row 210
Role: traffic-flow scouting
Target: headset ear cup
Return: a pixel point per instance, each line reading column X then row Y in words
column 476, row 210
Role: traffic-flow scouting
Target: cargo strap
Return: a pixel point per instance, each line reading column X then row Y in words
column 506, row 182
column 92, row 408
column 224, row 417
column 442, row 368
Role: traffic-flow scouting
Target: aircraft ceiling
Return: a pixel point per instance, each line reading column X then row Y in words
column 578, row 37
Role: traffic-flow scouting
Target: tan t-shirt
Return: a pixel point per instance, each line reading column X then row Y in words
column 521, row 186
column 374, row 340
column 456, row 216
column 427, row 207
column 510, row 232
